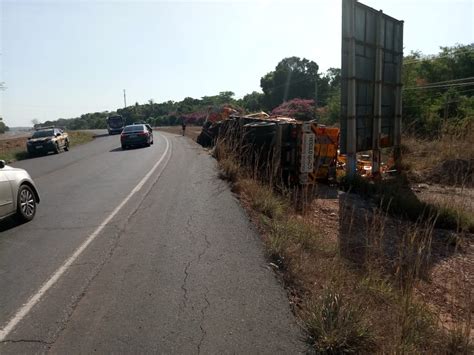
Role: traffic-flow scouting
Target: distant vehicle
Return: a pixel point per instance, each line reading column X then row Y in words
column 18, row 193
column 136, row 135
column 47, row 139
column 115, row 124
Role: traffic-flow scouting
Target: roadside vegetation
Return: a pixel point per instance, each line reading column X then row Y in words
column 356, row 281
column 391, row 272
column 3, row 127
column 15, row 149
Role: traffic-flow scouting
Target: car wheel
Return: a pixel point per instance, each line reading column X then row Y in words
column 124, row 147
column 66, row 146
column 26, row 204
column 152, row 141
column 56, row 148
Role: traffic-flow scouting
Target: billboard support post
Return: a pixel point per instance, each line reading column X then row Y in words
column 377, row 126
column 371, row 88
column 398, row 112
column 351, row 96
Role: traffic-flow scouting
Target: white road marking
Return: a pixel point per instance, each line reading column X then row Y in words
column 26, row 308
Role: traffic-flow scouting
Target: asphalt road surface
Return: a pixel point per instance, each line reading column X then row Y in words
column 138, row 251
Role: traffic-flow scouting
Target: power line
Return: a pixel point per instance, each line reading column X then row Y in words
column 438, row 56
column 440, row 94
column 443, row 103
column 438, row 86
column 449, row 81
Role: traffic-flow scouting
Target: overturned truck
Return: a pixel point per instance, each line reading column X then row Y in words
column 281, row 148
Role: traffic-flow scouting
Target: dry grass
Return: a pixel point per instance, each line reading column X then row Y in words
column 448, row 159
column 338, row 327
column 10, row 148
column 355, row 285
column 441, row 173
column 15, row 148
column 80, row 137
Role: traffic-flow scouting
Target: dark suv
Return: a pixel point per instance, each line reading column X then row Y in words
column 47, row 140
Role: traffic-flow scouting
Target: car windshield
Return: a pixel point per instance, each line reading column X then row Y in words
column 134, row 128
column 42, row 134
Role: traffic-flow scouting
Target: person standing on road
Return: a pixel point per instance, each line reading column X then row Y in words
column 183, row 125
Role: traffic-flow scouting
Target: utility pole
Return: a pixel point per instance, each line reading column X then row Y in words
column 124, row 98
column 316, row 97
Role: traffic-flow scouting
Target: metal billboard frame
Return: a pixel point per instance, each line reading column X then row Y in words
column 372, row 57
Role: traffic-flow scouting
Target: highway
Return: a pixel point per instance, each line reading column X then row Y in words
column 138, row 251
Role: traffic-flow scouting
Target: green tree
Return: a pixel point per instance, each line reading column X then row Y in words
column 438, row 89
column 252, row 102
column 293, row 77
column 3, row 127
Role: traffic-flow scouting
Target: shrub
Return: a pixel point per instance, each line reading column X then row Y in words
column 337, row 327
column 297, row 108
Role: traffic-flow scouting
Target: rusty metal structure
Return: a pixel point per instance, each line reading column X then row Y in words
column 372, row 55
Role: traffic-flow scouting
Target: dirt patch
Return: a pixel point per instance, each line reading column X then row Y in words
column 453, row 172
column 458, row 198
column 192, row 132
column 11, row 143
column 449, row 289
column 11, row 149
column 447, row 283
column 446, row 160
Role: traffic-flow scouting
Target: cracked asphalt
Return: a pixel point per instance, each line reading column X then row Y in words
column 180, row 269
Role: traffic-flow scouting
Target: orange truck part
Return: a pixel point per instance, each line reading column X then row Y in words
column 326, row 144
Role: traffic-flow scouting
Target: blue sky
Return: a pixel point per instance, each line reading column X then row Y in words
column 65, row 58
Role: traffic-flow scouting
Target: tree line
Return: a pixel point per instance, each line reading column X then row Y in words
column 437, row 90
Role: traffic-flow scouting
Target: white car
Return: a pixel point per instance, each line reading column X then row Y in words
column 18, row 193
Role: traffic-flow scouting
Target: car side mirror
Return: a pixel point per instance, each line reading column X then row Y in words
column 29, row 138
column 2, row 164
